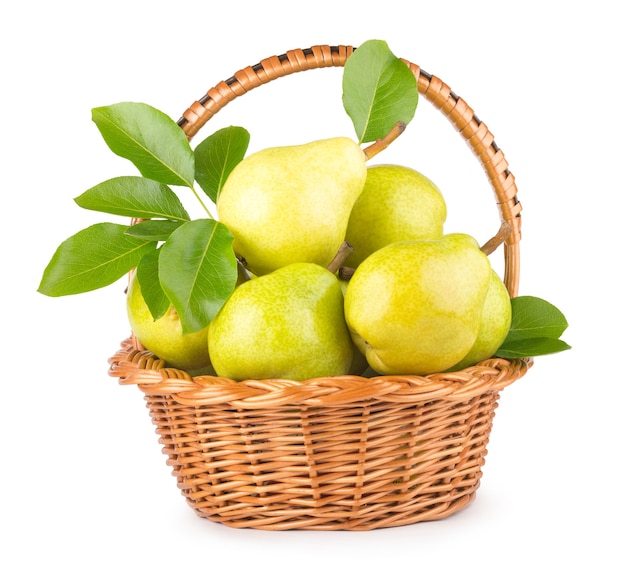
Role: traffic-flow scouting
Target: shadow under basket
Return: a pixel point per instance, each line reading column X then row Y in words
column 334, row 453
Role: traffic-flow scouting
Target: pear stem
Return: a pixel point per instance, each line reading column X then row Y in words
column 492, row 244
column 381, row 144
column 345, row 273
column 340, row 257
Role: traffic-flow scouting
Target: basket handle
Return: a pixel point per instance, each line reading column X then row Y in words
column 458, row 112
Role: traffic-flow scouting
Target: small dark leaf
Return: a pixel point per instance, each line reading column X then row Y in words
column 217, row 156
column 157, row 230
column 531, row 347
column 378, row 90
column 135, row 197
column 151, row 290
column 198, row 271
column 148, row 138
column 92, row 258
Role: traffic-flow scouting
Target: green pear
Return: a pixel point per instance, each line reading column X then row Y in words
column 494, row 325
column 415, row 307
column 292, row 204
column 164, row 336
column 287, row 324
column 397, row 203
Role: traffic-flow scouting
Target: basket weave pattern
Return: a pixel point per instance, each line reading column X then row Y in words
column 336, row 452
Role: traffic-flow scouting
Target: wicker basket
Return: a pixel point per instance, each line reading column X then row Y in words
column 332, row 453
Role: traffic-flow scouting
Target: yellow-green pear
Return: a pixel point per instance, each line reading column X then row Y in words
column 164, row 336
column 494, row 326
column 415, row 307
column 292, row 204
column 287, row 324
column 397, row 203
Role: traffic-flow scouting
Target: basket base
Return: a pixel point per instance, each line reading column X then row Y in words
column 358, row 467
column 289, row 519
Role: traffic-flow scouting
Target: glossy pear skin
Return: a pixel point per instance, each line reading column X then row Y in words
column 164, row 337
column 494, row 326
column 415, row 307
column 288, row 324
column 397, row 203
column 292, row 204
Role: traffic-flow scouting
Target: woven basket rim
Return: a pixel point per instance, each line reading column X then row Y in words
column 134, row 366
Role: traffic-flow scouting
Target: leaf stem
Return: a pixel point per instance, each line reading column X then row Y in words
column 201, row 202
column 381, row 144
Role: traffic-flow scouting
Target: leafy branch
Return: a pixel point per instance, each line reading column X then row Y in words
column 187, row 263
column 190, row 264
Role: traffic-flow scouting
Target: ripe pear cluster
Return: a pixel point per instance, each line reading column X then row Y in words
column 418, row 301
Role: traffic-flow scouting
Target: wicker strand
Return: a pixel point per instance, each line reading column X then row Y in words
column 141, row 368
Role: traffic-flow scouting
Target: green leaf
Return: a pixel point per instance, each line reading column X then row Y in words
column 534, row 317
column 536, row 328
column 148, row 138
column 217, row 156
column 151, row 290
column 532, row 347
column 135, row 197
column 378, row 90
column 92, row 258
column 156, row 230
column 198, row 271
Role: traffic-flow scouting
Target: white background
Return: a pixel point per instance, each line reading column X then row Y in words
column 83, row 482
